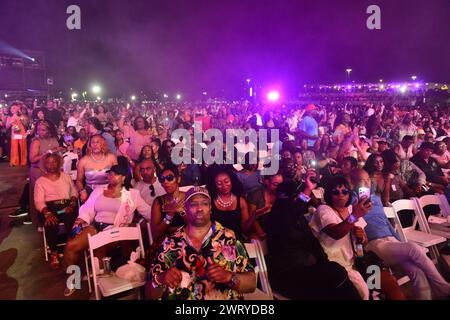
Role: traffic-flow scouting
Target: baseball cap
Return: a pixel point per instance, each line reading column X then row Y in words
column 123, row 171
column 427, row 145
column 195, row 191
column 310, row 107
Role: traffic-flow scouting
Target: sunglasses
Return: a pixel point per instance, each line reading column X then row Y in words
column 169, row 178
column 337, row 192
column 152, row 190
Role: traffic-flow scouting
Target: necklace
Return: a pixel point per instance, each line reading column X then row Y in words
column 225, row 204
column 95, row 160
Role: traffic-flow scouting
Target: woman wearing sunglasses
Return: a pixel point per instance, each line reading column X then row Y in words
column 339, row 227
column 168, row 210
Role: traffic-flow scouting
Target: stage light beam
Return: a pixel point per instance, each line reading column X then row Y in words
column 273, row 96
column 96, row 89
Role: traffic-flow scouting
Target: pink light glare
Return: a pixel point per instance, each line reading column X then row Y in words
column 273, row 96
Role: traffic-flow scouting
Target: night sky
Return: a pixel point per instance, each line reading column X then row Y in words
column 191, row 46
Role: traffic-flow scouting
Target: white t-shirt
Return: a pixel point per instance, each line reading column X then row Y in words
column 340, row 251
column 144, row 190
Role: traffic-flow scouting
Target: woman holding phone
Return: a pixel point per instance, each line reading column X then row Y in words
column 339, row 227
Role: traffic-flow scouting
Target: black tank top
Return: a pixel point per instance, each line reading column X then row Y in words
column 230, row 219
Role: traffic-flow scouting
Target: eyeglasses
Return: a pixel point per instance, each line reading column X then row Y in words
column 152, row 190
column 169, row 178
column 337, row 192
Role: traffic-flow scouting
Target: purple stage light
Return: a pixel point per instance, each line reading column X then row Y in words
column 273, row 96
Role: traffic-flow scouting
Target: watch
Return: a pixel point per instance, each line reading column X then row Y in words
column 234, row 282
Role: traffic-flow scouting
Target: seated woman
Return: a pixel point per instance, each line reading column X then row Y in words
column 380, row 181
column 228, row 206
column 168, row 211
column 441, row 154
column 298, row 267
column 405, row 178
column 93, row 167
column 55, row 198
column 260, row 203
column 338, row 228
column 111, row 206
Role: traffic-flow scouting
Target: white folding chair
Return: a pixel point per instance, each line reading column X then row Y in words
column 112, row 285
column 421, row 236
column 258, row 294
column 262, row 252
column 392, row 215
column 436, row 228
column 445, row 206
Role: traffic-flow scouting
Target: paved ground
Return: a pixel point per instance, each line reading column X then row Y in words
column 24, row 274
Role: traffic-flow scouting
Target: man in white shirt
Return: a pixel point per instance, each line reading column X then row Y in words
column 149, row 187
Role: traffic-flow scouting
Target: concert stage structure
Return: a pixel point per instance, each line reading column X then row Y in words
column 23, row 75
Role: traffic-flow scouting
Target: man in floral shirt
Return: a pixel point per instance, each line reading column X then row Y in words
column 202, row 260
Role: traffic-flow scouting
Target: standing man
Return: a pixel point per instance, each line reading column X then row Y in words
column 202, row 260
column 308, row 127
column 54, row 115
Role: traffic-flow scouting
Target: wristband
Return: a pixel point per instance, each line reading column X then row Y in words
column 304, row 197
column 351, row 219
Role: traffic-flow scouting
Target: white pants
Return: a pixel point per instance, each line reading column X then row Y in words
column 412, row 260
column 359, row 283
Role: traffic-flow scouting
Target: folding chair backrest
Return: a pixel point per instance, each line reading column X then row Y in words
column 445, row 206
column 427, row 200
column 109, row 236
column 436, row 200
column 262, row 251
column 253, row 250
column 391, row 214
column 407, row 204
column 115, row 234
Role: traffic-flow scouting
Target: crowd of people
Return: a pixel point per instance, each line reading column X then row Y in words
column 95, row 165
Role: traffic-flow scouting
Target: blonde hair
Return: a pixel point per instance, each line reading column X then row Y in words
column 103, row 145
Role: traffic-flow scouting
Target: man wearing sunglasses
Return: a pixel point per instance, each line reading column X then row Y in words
column 149, row 186
column 202, row 260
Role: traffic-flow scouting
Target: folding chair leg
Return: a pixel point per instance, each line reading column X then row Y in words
column 45, row 244
column 434, row 252
column 87, row 272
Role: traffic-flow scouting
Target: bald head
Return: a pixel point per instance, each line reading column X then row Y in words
column 359, row 178
column 147, row 170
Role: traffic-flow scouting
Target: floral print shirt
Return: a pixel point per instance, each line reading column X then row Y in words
column 220, row 245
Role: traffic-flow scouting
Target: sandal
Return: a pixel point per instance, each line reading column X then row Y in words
column 68, row 292
column 54, row 261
